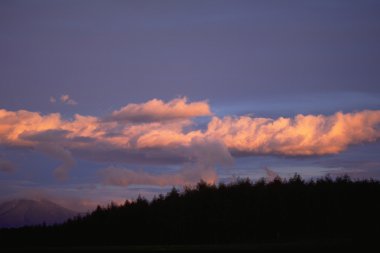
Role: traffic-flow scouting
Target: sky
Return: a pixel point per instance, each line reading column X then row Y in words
column 104, row 101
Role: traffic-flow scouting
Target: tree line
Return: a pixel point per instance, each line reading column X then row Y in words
column 238, row 212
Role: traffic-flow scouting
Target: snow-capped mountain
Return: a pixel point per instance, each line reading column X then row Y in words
column 23, row 212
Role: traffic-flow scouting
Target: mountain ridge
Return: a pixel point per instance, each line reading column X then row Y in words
column 27, row 212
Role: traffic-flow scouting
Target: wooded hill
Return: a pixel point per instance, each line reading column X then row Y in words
column 241, row 212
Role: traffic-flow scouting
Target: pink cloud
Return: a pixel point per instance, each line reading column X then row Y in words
column 164, row 133
column 158, row 110
column 301, row 135
column 65, row 99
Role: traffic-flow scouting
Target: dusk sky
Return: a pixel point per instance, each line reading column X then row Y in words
column 101, row 101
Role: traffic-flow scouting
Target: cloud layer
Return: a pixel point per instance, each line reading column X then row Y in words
column 158, row 132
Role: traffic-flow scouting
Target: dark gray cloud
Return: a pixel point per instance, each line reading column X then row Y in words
column 53, row 135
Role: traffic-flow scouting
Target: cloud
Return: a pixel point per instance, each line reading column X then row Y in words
column 51, row 143
column 204, row 155
column 126, row 177
column 270, row 174
column 61, row 154
column 189, row 174
column 302, row 135
column 156, row 132
column 158, row 110
column 13, row 125
column 67, row 100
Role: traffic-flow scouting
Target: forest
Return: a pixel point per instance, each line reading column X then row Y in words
column 238, row 213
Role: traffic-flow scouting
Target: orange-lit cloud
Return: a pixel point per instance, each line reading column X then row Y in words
column 158, row 110
column 301, row 135
column 164, row 133
column 14, row 124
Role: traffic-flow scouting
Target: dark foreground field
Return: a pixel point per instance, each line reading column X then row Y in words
column 332, row 245
column 305, row 246
column 281, row 216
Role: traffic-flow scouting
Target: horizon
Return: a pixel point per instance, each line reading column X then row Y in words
column 103, row 101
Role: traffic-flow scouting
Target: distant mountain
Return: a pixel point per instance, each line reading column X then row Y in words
column 23, row 212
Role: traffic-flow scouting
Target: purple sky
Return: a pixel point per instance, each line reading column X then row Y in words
column 265, row 59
